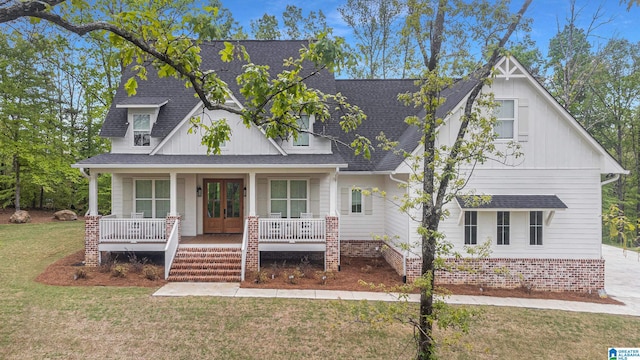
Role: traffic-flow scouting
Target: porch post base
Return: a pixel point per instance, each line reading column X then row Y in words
column 252, row 244
column 332, row 254
column 91, row 239
column 170, row 220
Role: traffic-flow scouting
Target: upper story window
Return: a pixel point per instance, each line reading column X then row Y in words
column 506, row 119
column 141, row 129
column 303, row 137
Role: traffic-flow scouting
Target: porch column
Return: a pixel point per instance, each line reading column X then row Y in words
column 333, row 193
column 93, row 193
column 253, row 261
column 173, row 194
column 332, row 254
column 91, row 239
column 252, row 194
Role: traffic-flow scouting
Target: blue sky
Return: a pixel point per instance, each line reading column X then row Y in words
column 546, row 15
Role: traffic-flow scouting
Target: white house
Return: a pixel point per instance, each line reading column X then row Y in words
column 274, row 195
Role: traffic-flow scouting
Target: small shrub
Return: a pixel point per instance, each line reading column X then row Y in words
column 260, row 277
column 119, row 271
column 150, row 272
column 106, row 265
column 366, row 269
column 80, row 273
column 324, row 276
column 136, row 265
column 376, row 262
column 293, row 277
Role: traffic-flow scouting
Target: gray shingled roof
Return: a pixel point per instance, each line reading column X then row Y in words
column 258, row 161
column 377, row 98
column 182, row 99
column 515, row 202
column 141, row 100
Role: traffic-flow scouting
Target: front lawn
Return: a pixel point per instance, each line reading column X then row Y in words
column 41, row 321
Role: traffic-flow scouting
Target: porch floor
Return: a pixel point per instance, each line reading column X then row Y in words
column 212, row 239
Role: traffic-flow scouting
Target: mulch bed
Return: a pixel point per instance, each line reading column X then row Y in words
column 353, row 272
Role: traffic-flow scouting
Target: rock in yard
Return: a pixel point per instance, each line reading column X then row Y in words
column 20, row 217
column 65, row 215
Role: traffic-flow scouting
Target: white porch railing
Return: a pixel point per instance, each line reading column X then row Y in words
column 245, row 243
column 119, row 230
column 291, row 230
column 171, row 248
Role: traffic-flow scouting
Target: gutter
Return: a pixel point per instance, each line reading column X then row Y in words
column 404, row 253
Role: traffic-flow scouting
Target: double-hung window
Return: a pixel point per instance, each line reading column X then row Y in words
column 152, row 198
column 141, row 129
column 356, row 201
column 535, row 228
column 288, row 197
column 303, row 137
column 503, row 227
column 470, row 227
column 506, row 119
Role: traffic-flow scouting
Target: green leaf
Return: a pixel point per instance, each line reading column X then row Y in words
column 130, row 86
column 226, row 54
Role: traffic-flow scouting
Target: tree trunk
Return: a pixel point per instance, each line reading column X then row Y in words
column 41, row 196
column 16, row 167
column 620, row 183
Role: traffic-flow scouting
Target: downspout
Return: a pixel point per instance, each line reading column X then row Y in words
column 615, row 178
column 603, row 183
column 404, row 253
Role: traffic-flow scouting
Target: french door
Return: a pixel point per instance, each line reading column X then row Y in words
column 223, row 202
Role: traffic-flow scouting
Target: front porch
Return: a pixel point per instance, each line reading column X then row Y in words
column 112, row 234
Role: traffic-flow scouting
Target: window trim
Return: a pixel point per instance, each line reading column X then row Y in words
column 470, row 223
column 144, row 131
column 515, row 119
column 503, row 233
column 288, row 198
column 153, row 198
column 539, row 240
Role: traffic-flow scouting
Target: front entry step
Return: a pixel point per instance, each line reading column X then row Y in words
column 193, row 264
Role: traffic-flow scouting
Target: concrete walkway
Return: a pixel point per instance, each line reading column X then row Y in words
column 622, row 281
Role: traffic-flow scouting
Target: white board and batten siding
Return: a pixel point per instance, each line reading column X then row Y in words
column 244, row 141
column 371, row 221
column 557, row 159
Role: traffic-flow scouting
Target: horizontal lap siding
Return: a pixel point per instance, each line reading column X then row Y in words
column 573, row 233
column 361, row 226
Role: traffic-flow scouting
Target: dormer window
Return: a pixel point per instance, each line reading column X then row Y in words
column 303, row 137
column 141, row 130
column 506, row 119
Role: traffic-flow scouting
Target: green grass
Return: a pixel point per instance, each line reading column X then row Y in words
column 40, row 321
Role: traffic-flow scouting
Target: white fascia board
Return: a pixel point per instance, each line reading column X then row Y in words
column 207, row 166
column 141, row 106
column 511, row 209
column 617, row 168
column 353, row 172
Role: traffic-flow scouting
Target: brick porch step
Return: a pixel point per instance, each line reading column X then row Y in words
column 207, row 265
